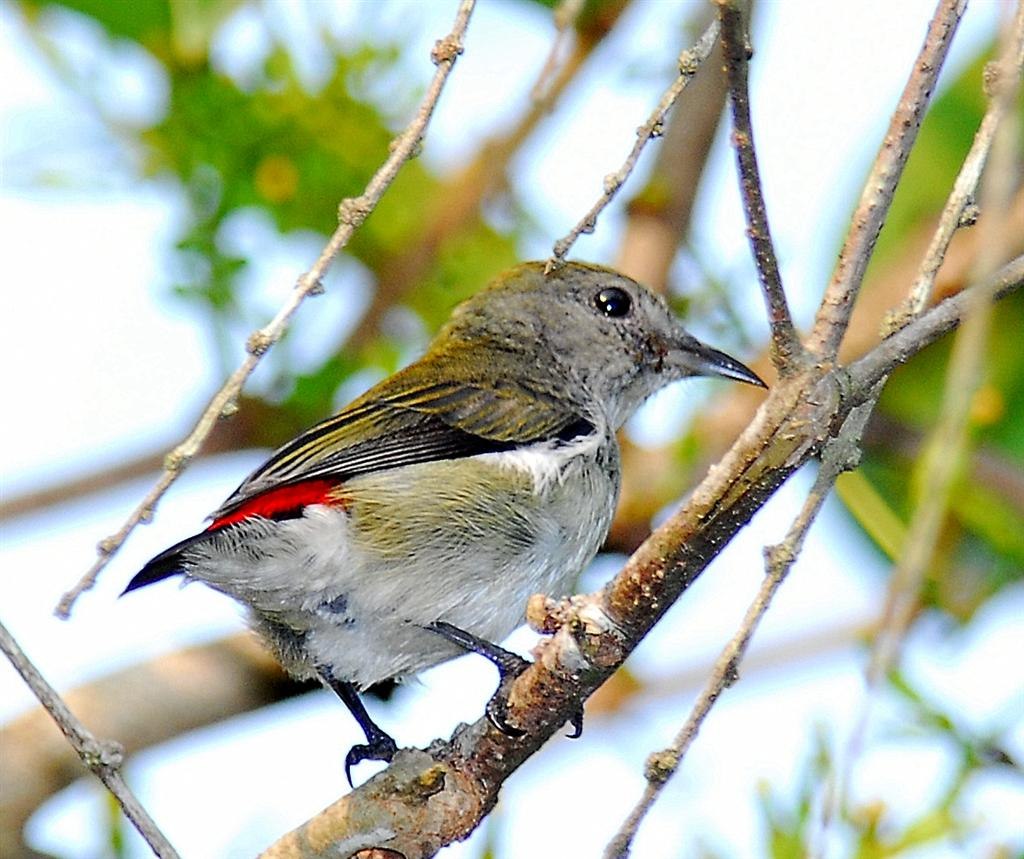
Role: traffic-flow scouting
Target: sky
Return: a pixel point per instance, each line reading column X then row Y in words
column 103, row 365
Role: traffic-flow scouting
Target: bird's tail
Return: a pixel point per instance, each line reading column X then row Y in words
column 169, row 562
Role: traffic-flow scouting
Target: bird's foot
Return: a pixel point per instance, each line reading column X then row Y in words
column 379, row 747
column 510, row 665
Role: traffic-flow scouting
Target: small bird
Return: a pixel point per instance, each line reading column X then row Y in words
column 416, row 523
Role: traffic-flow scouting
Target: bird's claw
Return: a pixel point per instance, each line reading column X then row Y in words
column 379, row 748
column 497, row 707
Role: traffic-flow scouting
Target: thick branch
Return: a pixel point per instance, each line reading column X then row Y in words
column 839, row 455
column 351, row 213
column 837, row 305
column 787, row 352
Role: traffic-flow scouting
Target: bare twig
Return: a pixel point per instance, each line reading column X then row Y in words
column 841, row 454
column 142, row 705
column 102, row 757
column 351, row 213
column 834, row 313
column 959, row 211
column 658, row 214
column 565, row 15
column 457, row 202
column 865, row 372
column 787, row 353
column 947, row 447
column 964, row 375
column 689, row 62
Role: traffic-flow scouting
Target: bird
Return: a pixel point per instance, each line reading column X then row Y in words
column 415, row 523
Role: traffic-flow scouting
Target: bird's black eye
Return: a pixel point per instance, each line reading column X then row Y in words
column 613, row 301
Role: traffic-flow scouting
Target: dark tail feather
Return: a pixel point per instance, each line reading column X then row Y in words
column 168, row 563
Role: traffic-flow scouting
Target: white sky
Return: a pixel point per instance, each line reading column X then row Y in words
column 101, row 366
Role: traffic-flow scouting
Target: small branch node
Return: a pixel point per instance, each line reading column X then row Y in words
column 310, row 285
column 689, row 63
column 545, row 615
column 991, row 78
column 446, row 50
column 259, row 342
column 659, row 766
column 102, row 754
column 778, row 556
column 969, row 216
column 176, row 459
column 352, row 211
column 230, row 409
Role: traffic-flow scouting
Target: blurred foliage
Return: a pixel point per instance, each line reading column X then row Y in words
column 982, row 545
column 870, row 831
column 277, row 144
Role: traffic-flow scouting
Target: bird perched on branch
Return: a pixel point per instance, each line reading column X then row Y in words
column 416, row 523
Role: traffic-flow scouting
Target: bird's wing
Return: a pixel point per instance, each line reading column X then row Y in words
column 402, row 421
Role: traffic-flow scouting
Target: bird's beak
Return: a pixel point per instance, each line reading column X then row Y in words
column 699, row 359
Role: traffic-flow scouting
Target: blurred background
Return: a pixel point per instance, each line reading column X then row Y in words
column 169, row 167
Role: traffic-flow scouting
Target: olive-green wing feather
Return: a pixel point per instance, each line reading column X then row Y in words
column 411, row 418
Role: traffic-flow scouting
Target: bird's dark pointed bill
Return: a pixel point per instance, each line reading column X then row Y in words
column 712, row 362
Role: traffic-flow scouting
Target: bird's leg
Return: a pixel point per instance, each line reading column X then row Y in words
column 510, row 665
column 379, row 745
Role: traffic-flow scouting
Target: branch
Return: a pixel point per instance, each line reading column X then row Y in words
column 689, row 62
column 142, row 705
column 658, row 215
column 841, row 454
column 102, row 757
column 427, row 799
column 949, row 441
column 898, row 348
column 351, row 213
column 457, row 203
column 565, row 15
column 787, row 352
column 837, row 305
column 959, row 211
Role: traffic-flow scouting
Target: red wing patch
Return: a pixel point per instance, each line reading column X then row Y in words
column 285, row 502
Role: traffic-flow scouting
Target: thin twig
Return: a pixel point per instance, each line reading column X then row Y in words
column 948, row 444
column 837, row 305
column 927, row 328
column 565, row 15
column 960, row 209
column 351, row 213
column 458, row 200
column 839, row 455
column 689, row 62
column 104, row 758
column 786, row 349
